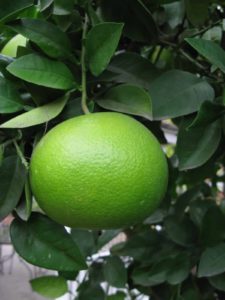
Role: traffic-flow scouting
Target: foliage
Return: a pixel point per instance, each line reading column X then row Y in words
column 161, row 61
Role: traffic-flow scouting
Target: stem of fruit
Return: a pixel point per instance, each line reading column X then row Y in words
column 20, row 154
column 83, row 69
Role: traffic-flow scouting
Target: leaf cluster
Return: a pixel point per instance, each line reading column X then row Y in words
column 161, row 61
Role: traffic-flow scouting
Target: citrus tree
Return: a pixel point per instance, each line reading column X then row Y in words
column 161, row 62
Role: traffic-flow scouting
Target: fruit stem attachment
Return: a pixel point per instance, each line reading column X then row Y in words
column 83, row 69
column 20, row 154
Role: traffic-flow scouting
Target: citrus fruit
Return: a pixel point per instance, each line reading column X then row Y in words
column 10, row 49
column 99, row 171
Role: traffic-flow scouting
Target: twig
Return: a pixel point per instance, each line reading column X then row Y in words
column 83, row 69
column 20, row 154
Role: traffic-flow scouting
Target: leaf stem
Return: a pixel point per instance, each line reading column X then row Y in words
column 83, row 69
column 20, row 154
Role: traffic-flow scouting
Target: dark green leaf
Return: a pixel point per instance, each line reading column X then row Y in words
column 85, row 240
column 197, row 175
column 179, row 270
column 128, row 99
column 44, row 4
column 174, row 13
column 197, row 11
column 154, row 276
column 196, row 146
column 138, row 245
column 42, row 71
column 198, row 209
column 181, row 231
column 35, row 242
column 10, row 100
column 106, row 237
column 47, row 36
column 157, row 217
column 208, row 113
column 139, row 23
column 13, row 7
column 68, row 275
column 101, row 43
column 63, row 7
column 4, row 62
column 37, row 115
column 96, row 275
column 173, row 269
column 223, row 125
column 130, row 68
column 185, row 199
column 213, row 227
column 177, row 93
column 49, row 286
column 12, row 180
column 212, row 261
column 218, row 282
column 117, row 296
column 24, row 208
column 210, row 50
column 115, row 272
column 88, row 291
column 190, row 295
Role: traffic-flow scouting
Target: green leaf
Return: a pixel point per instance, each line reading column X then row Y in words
column 101, row 43
column 44, row 4
column 196, row 146
column 42, row 71
column 197, row 11
column 37, row 115
column 63, row 7
column 96, row 275
column 139, row 23
column 12, row 180
column 212, row 261
column 172, row 91
column 208, row 113
column 174, row 270
column 35, row 242
column 106, row 237
column 213, row 232
column 181, row 231
column 88, row 291
column 68, row 275
column 10, row 100
column 13, row 7
column 198, row 209
column 179, row 270
column 85, row 240
column 210, row 50
column 53, row 41
column 174, row 13
column 115, row 272
column 191, row 293
column 218, row 282
column 117, row 296
column 154, row 276
column 138, row 245
column 49, row 286
column 128, row 99
column 130, row 68
column 223, row 125
column 24, row 207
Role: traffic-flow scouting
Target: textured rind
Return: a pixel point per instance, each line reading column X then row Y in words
column 101, row 170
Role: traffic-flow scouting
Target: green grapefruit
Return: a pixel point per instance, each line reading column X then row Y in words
column 10, row 49
column 99, row 171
